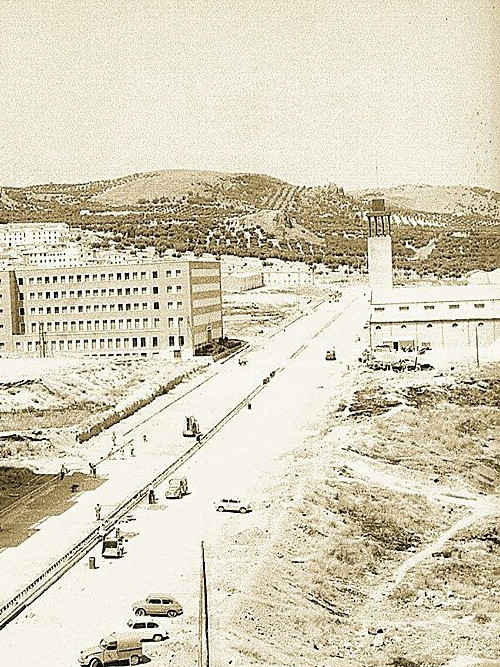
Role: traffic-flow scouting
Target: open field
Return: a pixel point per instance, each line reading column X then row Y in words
column 385, row 547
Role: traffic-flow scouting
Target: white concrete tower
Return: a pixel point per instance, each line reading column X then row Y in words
column 379, row 245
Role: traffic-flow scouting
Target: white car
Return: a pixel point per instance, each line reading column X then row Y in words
column 233, row 505
column 147, row 630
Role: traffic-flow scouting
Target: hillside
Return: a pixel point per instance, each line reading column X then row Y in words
column 454, row 200
column 443, row 231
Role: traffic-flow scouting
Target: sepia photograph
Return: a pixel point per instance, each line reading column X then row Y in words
column 250, row 333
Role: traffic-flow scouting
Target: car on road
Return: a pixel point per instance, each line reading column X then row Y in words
column 233, row 505
column 146, row 630
column 157, row 605
column 112, row 547
column 114, row 648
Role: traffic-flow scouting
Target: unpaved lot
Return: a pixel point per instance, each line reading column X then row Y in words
column 254, row 314
column 385, row 543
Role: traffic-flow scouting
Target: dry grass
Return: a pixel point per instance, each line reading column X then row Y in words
column 341, row 539
column 468, row 569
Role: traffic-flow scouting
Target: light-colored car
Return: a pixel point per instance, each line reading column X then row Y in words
column 146, row 630
column 233, row 505
column 116, row 647
column 157, row 604
column 112, row 547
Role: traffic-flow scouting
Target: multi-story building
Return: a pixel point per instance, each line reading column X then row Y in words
column 287, row 275
column 69, row 254
column 166, row 308
column 19, row 234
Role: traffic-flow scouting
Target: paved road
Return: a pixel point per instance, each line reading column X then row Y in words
column 164, row 553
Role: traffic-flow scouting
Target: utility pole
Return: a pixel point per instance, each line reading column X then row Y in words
column 43, row 342
column 298, row 288
column 477, row 345
column 203, row 656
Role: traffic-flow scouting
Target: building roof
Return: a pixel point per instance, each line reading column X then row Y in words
column 438, row 294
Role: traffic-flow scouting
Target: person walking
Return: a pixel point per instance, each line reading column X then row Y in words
column 62, row 473
column 132, row 450
column 97, row 512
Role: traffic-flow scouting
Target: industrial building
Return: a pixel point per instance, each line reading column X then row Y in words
column 436, row 317
column 462, row 319
column 241, row 282
column 164, row 309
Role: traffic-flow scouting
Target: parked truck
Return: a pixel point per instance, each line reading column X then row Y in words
column 117, row 647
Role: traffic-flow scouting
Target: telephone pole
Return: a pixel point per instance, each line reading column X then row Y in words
column 43, row 342
column 203, row 656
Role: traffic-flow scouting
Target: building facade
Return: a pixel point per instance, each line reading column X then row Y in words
column 17, row 234
column 242, row 282
column 461, row 318
column 288, row 277
column 164, row 309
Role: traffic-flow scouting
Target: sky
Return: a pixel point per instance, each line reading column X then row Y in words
column 355, row 92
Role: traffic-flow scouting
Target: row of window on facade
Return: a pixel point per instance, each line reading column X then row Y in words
column 102, row 325
column 93, row 277
column 451, row 306
column 430, row 326
column 98, row 308
column 80, row 294
column 98, row 344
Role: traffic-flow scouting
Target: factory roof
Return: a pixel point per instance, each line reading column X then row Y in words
column 437, row 294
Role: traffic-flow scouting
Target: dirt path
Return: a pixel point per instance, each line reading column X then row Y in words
column 484, row 507
column 480, row 508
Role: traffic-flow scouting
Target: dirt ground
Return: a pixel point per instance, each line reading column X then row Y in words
column 252, row 315
column 44, row 404
column 385, row 548
column 54, row 497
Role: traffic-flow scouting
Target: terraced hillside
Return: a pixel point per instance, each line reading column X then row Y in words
column 257, row 215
